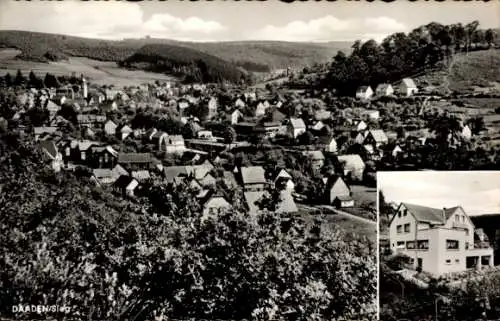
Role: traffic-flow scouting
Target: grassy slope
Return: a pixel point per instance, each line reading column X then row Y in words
column 467, row 71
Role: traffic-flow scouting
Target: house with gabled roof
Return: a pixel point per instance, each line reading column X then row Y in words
column 51, row 154
column 213, row 205
column 354, row 166
column 437, row 240
column 125, row 131
column 253, row 178
column 283, row 180
column 236, row 116
column 102, row 156
column 384, row 90
column 125, row 185
column 337, row 192
column 174, row 144
column 329, row 144
column 159, row 138
column 110, row 128
column 407, row 87
column 364, row 92
column 317, row 158
column 141, row 175
column 239, row 103
column 141, row 160
column 296, row 127
column 376, row 137
column 260, row 109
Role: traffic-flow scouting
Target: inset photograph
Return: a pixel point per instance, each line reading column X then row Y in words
column 439, row 244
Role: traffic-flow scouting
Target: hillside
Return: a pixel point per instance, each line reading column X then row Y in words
column 473, row 71
column 251, row 55
column 194, row 65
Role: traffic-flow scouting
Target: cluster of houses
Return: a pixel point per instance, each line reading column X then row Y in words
column 128, row 172
column 406, row 88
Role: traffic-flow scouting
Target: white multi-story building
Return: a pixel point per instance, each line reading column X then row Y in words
column 438, row 241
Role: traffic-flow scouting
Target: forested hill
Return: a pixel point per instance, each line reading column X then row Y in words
column 260, row 56
column 45, row 47
column 405, row 55
column 194, row 65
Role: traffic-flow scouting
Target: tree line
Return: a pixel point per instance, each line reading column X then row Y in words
column 404, row 55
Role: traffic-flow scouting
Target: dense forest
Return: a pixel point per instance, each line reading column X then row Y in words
column 404, row 55
column 195, row 65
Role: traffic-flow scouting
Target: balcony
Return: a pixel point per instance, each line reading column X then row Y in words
column 460, row 225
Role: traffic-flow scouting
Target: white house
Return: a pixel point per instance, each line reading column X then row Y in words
column 364, row 92
column 174, row 144
column 438, row 241
column 384, row 90
column 260, row 110
column 284, row 180
column 296, row 126
column 330, row 145
column 239, row 103
column 466, row 132
column 214, row 205
column 125, row 131
column 360, row 125
column 236, row 116
column 110, row 128
column 407, row 87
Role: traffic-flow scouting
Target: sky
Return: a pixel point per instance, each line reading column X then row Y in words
column 220, row 20
column 478, row 192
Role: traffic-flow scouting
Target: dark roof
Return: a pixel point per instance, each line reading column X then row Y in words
column 332, row 180
column 344, row 198
column 123, row 181
column 49, row 147
column 429, row 214
column 134, row 158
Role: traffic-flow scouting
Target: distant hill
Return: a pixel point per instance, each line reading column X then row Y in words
column 260, row 56
column 194, row 65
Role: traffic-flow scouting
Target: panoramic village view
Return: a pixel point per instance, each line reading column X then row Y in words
column 148, row 178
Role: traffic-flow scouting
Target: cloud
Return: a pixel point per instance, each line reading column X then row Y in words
column 330, row 28
column 109, row 20
column 476, row 191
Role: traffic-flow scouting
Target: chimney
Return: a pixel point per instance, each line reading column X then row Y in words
column 444, row 214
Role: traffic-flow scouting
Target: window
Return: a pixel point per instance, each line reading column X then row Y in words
column 457, row 261
column 407, row 228
column 399, row 214
column 410, row 245
column 466, row 245
column 423, row 244
column 448, row 261
column 463, row 219
column 401, row 244
column 451, row 244
column 404, row 211
column 399, row 229
column 457, row 218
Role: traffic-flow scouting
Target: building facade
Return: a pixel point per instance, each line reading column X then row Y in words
column 438, row 241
